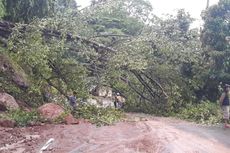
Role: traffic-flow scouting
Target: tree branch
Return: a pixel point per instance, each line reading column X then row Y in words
column 6, row 28
column 58, row 89
column 149, row 89
column 155, row 82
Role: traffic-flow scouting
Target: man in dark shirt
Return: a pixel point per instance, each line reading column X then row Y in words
column 73, row 100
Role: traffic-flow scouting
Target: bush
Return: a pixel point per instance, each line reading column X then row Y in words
column 205, row 113
column 24, row 118
column 99, row 116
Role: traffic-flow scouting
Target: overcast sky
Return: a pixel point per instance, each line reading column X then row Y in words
column 194, row 7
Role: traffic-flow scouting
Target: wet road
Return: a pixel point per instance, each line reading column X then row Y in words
column 138, row 135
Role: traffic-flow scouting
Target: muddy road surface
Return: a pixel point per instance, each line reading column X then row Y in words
column 136, row 135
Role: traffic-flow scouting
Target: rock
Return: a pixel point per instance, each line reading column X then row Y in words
column 50, row 111
column 107, row 102
column 103, row 91
column 109, row 92
column 92, row 101
column 7, row 102
column 7, row 123
column 100, row 101
column 69, row 119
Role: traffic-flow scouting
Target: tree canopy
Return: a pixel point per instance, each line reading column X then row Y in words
column 26, row 11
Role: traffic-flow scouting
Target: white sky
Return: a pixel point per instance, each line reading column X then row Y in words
column 194, row 7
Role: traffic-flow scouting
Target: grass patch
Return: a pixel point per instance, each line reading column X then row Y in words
column 204, row 113
column 23, row 118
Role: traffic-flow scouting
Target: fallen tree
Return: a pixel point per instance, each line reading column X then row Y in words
column 6, row 28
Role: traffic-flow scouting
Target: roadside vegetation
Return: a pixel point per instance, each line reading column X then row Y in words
column 21, row 117
column 99, row 116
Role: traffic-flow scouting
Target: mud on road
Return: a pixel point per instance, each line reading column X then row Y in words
column 137, row 134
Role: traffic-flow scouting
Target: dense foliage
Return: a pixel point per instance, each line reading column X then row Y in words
column 216, row 27
column 215, row 37
column 204, row 113
column 26, row 11
column 160, row 65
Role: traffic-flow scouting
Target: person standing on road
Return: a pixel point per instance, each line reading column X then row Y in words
column 225, row 105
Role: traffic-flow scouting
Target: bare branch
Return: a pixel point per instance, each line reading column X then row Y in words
column 157, row 83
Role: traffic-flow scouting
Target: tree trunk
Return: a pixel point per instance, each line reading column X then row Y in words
column 207, row 5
